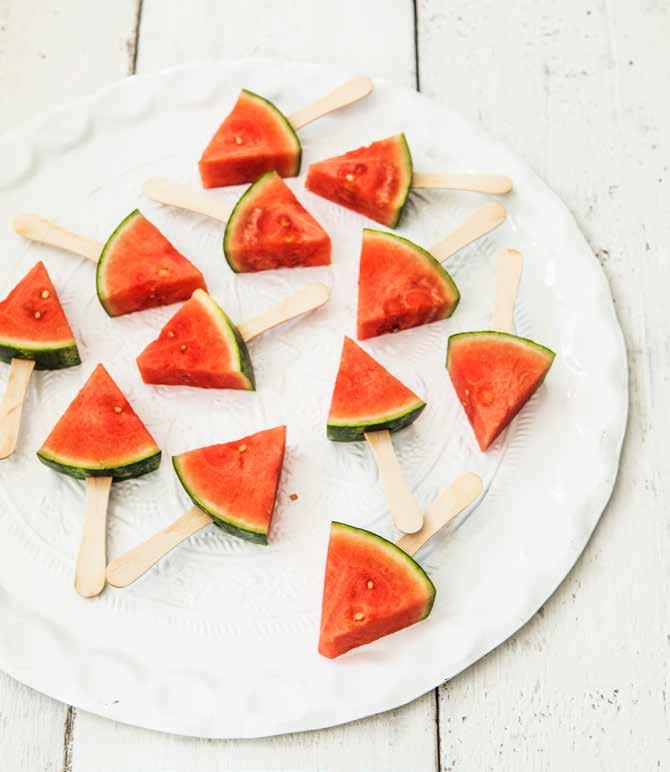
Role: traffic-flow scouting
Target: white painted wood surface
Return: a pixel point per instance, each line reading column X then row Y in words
column 580, row 90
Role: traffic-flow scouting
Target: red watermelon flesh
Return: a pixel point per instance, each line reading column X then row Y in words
column 372, row 589
column 33, row 324
column 400, row 285
column 253, row 139
column 200, row 347
column 373, row 180
column 100, row 435
column 494, row 375
column 368, row 398
column 269, row 228
column 236, row 482
column 140, row 269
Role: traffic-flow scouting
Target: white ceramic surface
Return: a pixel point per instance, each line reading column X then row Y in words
column 219, row 640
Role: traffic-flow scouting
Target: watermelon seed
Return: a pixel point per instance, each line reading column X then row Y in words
column 170, row 334
column 349, row 177
column 238, row 140
column 183, row 347
column 45, row 294
column 293, row 497
column 371, row 585
column 358, row 616
column 117, row 409
column 37, row 314
column 163, row 272
column 242, row 448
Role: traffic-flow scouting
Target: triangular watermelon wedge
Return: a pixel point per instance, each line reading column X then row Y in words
column 236, row 482
column 368, row 398
column 400, row 285
column 372, row 588
column 253, row 139
column 140, row 269
column 199, row 346
column 373, row 180
column 33, row 324
column 100, row 435
column 494, row 375
column 269, row 228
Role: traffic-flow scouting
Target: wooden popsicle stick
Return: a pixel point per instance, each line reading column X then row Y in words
column 405, row 510
column 451, row 502
column 509, row 265
column 92, row 559
column 37, row 229
column 127, row 568
column 172, row 193
column 307, row 298
column 477, row 183
column 343, row 95
column 479, row 223
column 11, row 408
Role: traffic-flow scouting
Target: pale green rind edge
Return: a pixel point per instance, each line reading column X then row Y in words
column 103, row 257
column 45, row 358
column 355, row 432
column 409, row 167
column 504, row 336
column 245, row 198
column 416, row 569
column 136, row 468
column 432, row 262
column 225, row 523
column 290, row 131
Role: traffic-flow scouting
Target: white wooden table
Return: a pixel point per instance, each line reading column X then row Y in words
column 580, row 89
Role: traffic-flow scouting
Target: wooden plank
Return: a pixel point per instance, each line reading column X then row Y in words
column 173, row 32
column 52, row 51
column 577, row 89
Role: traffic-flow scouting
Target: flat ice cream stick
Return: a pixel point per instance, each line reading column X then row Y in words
column 92, row 559
column 127, row 568
column 479, row 223
column 37, row 229
column 12, row 404
column 451, row 502
column 405, row 510
column 509, row 265
column 307, row 298
column 343, row 95
column 172, row 193
column 477, row 183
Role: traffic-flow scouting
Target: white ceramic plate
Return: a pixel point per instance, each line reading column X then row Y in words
column 219, row 640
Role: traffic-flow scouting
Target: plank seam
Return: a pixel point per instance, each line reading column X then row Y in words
column 136, row 37
column 68, row 738
column 417, row 75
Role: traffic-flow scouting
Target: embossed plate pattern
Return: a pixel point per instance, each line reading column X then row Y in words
column 219, row 640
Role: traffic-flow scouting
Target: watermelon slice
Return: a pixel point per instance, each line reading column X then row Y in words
column 33, row 324
column 400, row 285
column 236, row 482
column 140, row 269
column 373, row 180
column 254, row 138
column 200, row 347
column 368, row 398
column 100, row 435
column 372, row 589
column 495, row 374
column 269, row 228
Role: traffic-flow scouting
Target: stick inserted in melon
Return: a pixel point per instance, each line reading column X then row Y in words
column 138, row 268
column 495, row 372
column 233, row 485
column 12, row 404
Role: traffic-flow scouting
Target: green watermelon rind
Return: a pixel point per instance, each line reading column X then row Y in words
column 109, row 244
column 400, row 204
column 431, row 261
column 396, row 552
column 126, row 471
column 245, row 367
column 228, row 524
column 354, row 431
column 245, row 199
column 45, row 356
column 504, row 336
column 289, row 130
